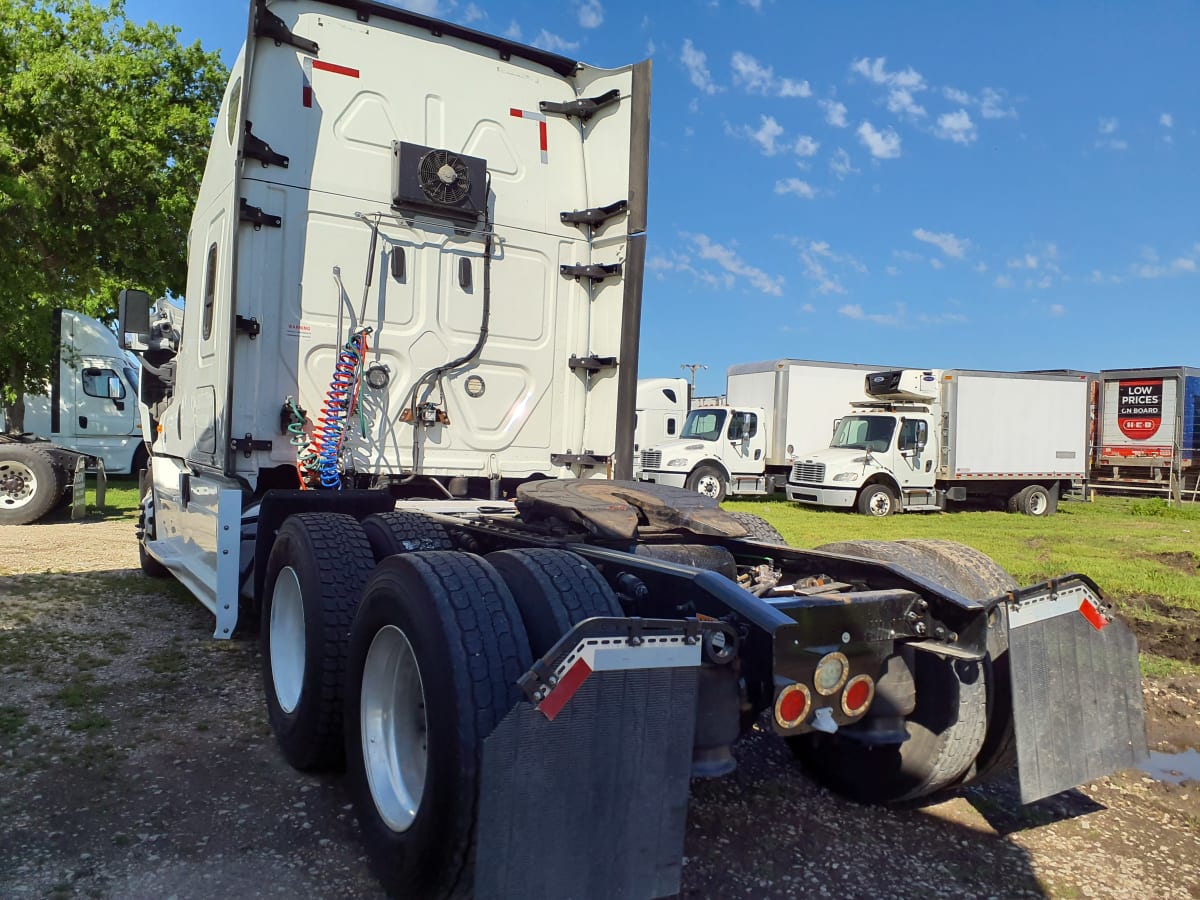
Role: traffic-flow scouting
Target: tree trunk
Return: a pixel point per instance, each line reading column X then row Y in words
column 14, row 416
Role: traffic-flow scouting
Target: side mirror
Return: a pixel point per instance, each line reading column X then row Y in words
column 133, row 307
column 836, row 423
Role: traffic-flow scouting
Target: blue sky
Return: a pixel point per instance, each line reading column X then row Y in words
column 998, row 186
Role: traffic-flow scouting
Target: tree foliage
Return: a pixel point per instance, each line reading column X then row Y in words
column 104, row 129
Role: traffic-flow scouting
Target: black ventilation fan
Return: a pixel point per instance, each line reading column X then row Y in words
column 444, row 177
column 438, row 182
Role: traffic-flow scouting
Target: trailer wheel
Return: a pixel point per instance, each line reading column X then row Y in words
column 435, row 652
column 1032, row 500
column 708, row 480
column 974, row 737
column 317, row 568
column 555, row 590
column 29, row 484
column 877, row 500
column 759, row 528
column 145, row 531
column 403, row 532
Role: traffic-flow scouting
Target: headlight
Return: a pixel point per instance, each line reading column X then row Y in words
column 677, row 463
column 846, row 476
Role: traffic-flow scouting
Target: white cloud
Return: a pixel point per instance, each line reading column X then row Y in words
column 892, row 270
column 840, row 166
column 882, row 144
column 1028, row 261
column 1152, row 268
column 806, row 146
column 1003, row 281
column 1107, row 130
column 756, row 78
column 552, row 42
column 980, row 267
column 795, row 186
column 818, row 259
column 808, row 308
column 424, row 7
column 766, row 135
column 950, row 244
column 591, row 13
column 1057, row 309
column 472, row 13
column 733, row 265
column 835, row 113
column 901, row 85
column 755, row 5
column 1166, row 120
column 856, row 312
column 790, row 88
column 696, row 63
column 945, row 318
column 513, row 31
column 993, row 104
column 954, row 95
column 957, row 127
column 936, row 263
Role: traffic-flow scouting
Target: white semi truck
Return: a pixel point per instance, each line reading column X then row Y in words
column 930, row 437
column 662, row 406
column 88, row 412
column 380, row 438
column 746, row 445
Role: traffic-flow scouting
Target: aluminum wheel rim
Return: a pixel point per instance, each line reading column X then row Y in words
column 394, row 728
column 709, row 486
column 287, row 639
column 19, row 484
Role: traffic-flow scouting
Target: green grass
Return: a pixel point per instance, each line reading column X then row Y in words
column 1154, row 666
column 1131, row 548
column 120, row 497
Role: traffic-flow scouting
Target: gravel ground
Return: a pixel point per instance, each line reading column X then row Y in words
column 135, row 761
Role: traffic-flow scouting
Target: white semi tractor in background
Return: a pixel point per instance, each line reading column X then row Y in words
column 662, row 406
column 746, row 445
column 930, row 437
column 382, row 436
column 88, row 412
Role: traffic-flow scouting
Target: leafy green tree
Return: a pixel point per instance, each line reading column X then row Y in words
column 104, row 129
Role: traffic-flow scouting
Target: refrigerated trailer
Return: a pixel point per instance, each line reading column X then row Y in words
column 1149, row 438
column 407, row 362
column 746, row 445
column 931, row 437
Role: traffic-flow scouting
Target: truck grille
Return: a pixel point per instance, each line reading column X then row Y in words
column 651, row 459
column 814, row 472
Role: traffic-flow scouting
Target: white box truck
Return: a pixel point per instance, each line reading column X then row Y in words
column 929, row 437
column 88, row 412
column 377, row 438
column 745, row 445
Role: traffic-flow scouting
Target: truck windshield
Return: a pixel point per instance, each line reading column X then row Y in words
column 872, row 433
column 704, row 424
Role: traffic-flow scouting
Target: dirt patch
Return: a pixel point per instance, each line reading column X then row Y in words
column 1184, row 561
column 83, row 546
column 1167, row 631
column 136, row 761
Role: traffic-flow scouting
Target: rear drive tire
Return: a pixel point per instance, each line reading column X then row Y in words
column 708, row 480
column 145, row 528
column 1032, row 500
column 435, row 652
column 759, row 529
column 961, row 730
column 877, row 500
column 30, row 485
column 554, row 590
column 316, row 571
column 403, row 532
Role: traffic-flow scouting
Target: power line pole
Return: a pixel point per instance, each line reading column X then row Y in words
column 692, row 367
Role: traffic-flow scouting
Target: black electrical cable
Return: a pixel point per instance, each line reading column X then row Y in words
column 435, row 374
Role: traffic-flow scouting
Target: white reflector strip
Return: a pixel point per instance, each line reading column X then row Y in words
column 1045, row 605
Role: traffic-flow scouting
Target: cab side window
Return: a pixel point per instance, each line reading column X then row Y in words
column 95, row 383
column 743, row 421
column 210, row 292
column 913, row 434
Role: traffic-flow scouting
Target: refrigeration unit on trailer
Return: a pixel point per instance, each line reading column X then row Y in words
column 408, row 352
column 87, row 415
column 931, row 437
column 662, row 405
column 1149, row 430
column 745, row 445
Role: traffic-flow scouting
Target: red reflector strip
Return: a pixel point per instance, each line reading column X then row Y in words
column 334, row 68
column 307, row 98
column 565, row 689
column 516, row 112
column 1093, row 615
column 542, row 134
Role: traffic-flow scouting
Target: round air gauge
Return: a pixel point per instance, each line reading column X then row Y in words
column 377, row 376
column 474, row 386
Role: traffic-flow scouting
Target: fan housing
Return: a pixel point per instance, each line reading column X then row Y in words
column 438, row 181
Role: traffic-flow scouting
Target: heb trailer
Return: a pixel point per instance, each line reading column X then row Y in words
column 746, row 445
column 1149, row 438
column 931, row 437
column 520, row 663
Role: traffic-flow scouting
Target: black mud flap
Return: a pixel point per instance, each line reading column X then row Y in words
column 585, row 783
column 1077, row 688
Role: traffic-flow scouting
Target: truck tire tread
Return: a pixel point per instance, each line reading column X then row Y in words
column 48, row 487
column 404, row 532
column 759, row 528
